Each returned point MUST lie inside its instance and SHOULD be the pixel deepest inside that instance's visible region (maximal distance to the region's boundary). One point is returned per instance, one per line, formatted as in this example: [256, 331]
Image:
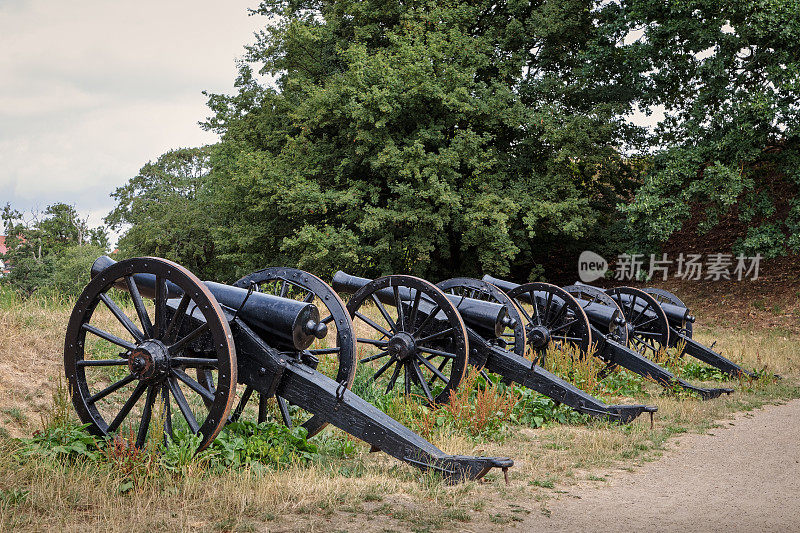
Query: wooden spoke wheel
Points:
[588, 295]
[666, 297]
[334, 356]
[513, 337]
[126, 356]
[419, 334]
[648, 329]
[551, 315]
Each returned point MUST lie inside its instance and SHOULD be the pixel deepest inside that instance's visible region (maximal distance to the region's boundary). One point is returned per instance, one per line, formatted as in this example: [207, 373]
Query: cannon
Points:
[431, 333]
[187, 343]
[610, 329]
[679, 321]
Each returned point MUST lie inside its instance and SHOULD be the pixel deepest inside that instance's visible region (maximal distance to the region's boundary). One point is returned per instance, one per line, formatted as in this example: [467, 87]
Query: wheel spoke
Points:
[383, 369]
[284, 409]
[208, 380]
[434, 336]
[324, 351]
[385, 313]
[380, 343]
[108, 336]
[393, 379]
[642, 312]
[374, 357]
[248, 391]
[427, 320]
[194, 361]
[122, 317]
[649, 345]
[525, 313]
[423, 383]
[308, 299]
[138, 304]
[412, 317]
[373, 324]
[147, 412]
[178, 346]
[284, 287]
[326, 319]
[101, 362]
[192, 384]
[177, 319]
[440, 353]
[546, 317]
[183, 405]
[398, 303]
[645, 323]
[167, 410]
[535, 303]
[564, 326]
[111, 388]
[262, 408]
[406, 378]
[558, 315]
[160, 302]
[137, 393]
[649, 333]
[436, 371]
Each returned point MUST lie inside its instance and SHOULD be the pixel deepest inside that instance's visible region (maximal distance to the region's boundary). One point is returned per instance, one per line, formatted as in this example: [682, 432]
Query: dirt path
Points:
[744, 476]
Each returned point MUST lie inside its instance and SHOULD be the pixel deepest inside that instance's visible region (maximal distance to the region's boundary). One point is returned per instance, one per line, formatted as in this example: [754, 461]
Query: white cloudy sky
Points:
[90, 90]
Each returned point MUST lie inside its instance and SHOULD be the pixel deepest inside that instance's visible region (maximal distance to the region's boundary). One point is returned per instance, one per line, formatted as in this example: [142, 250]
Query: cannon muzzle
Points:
[288, 321]
[476, 313]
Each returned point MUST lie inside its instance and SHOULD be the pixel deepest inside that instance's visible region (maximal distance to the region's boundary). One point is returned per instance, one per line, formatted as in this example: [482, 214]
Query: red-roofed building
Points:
[3, 249]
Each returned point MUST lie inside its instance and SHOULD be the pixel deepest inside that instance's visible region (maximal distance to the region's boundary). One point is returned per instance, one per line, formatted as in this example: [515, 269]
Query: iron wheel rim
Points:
[214, 328]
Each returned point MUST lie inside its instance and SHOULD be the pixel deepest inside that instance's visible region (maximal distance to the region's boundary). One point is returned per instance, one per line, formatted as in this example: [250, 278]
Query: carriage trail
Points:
[741, 476]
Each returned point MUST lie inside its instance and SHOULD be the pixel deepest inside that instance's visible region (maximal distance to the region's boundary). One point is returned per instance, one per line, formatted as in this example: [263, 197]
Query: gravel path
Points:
[743, 476]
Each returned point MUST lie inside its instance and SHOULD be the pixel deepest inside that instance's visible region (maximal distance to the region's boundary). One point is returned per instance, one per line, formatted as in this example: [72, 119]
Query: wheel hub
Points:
[149, 360]
[402, 346]
[539, 337]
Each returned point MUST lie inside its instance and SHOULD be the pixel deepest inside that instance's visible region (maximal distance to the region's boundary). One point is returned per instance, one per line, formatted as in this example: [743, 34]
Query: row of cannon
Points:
[180, 343]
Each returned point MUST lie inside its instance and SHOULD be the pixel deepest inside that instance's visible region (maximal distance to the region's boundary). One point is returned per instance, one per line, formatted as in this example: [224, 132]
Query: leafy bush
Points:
[269, 443]
[71, 270]
[63, 442]
[535, 410]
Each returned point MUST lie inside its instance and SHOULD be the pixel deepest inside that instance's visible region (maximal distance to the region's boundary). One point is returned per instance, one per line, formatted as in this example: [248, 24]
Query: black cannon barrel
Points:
[595, 312]
[293, 322]
[477, 313]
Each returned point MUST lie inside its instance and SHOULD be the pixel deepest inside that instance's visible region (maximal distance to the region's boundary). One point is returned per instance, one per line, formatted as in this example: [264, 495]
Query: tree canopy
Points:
[728, 75]
[38, 242]
[426, 137]
[443, 138]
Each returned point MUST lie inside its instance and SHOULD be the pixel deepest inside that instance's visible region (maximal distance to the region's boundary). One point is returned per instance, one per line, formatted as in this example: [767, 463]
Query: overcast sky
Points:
[91, 90]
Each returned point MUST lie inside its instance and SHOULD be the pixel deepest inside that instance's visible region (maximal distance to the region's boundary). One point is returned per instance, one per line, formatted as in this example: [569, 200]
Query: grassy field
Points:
[341, 486]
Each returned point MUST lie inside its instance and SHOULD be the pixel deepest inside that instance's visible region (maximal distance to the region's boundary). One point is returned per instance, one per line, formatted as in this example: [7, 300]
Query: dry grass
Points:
[368, 492]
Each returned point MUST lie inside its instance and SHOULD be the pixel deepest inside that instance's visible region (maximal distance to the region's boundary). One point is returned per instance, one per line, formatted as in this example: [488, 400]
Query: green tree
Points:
[427, 137]
[35, 241]
[162, 212]
[728, 75]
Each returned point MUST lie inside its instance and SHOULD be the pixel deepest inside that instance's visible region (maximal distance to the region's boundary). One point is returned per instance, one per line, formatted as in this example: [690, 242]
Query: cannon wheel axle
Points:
[423, 338]
[551, 315]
